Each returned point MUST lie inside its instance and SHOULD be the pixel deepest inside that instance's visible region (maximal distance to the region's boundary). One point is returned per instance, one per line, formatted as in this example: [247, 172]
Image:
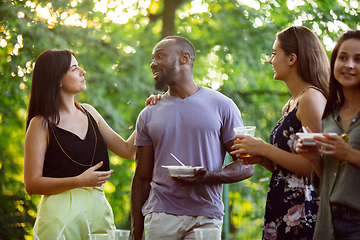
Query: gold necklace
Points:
[92, 159]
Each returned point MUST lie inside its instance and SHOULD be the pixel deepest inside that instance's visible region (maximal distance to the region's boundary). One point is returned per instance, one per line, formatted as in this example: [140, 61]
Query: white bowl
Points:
[308, 138]
[187, 171]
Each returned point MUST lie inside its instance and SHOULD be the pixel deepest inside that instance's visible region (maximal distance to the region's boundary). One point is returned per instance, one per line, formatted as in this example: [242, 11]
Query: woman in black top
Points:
[66, 158]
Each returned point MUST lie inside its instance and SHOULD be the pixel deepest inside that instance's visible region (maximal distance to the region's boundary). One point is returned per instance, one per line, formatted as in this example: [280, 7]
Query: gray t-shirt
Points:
[194, 129]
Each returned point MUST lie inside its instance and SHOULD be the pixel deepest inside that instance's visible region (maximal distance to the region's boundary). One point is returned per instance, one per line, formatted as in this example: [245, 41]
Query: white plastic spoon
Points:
[304, 129]
[177, 159]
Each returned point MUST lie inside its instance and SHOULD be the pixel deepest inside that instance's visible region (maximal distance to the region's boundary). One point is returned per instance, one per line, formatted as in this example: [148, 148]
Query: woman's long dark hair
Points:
[50, 67]
[336, 94]
[313, 63]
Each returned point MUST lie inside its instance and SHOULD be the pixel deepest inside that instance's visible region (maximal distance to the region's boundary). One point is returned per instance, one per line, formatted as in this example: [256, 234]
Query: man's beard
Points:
[162, 83]
[166, 78]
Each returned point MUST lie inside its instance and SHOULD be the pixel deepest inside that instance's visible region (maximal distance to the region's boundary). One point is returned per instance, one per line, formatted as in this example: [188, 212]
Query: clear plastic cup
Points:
[118, 234]
[206, 233]
[245, 130]
[99, 236]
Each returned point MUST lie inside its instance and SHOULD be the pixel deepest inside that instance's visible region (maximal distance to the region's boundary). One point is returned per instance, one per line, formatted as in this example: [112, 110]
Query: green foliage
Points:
[15, 221]
[233, 42]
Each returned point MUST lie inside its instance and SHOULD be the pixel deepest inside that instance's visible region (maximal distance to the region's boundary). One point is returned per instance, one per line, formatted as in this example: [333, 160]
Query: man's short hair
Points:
[185, 44]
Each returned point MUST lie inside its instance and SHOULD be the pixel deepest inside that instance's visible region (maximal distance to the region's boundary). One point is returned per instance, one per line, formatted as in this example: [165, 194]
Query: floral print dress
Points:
[292, 204]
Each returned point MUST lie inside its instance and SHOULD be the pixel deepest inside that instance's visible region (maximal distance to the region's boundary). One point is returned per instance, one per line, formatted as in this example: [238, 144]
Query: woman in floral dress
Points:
[299, 60]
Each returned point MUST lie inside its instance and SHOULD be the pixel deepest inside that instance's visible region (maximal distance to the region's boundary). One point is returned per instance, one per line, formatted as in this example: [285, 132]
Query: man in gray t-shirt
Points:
[196, 125]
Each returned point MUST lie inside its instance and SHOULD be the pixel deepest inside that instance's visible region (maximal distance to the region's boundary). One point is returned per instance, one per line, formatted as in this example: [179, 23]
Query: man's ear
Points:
[292, 59]
[185, 58]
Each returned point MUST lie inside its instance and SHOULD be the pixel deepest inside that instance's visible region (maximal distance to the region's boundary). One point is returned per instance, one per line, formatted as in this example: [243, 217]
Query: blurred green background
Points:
[113, 41]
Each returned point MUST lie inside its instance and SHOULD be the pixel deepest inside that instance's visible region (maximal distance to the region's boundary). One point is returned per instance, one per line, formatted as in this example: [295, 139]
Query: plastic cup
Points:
[99, 236]
[206, 233]
[118, 234]
[245, 130]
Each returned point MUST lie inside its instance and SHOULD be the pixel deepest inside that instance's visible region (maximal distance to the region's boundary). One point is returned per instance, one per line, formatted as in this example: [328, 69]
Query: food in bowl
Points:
[308, 138]
[182, 171]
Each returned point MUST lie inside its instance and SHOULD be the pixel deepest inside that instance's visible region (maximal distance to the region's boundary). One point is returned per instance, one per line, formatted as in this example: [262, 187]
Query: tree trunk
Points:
[169, 17]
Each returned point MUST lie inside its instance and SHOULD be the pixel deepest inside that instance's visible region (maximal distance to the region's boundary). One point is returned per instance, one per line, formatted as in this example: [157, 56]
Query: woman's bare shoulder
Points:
[38, 127]
[312, 96]
[38, 121]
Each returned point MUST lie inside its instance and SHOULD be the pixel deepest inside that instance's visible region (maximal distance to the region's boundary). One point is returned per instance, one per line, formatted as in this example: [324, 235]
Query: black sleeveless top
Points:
[68, 155]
